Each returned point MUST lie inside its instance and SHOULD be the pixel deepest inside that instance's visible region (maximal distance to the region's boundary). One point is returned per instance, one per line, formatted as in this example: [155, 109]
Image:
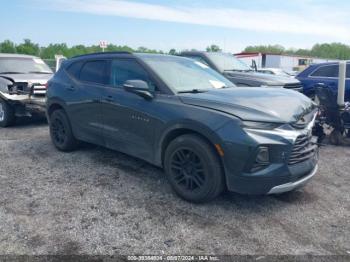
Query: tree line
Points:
[332, 50]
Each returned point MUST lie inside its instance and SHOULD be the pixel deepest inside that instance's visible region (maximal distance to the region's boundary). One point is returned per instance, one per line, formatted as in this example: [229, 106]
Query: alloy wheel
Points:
[58, 131]
[187, 170]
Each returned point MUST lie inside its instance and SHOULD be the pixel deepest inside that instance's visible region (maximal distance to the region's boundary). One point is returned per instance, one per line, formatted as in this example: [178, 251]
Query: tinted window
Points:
[227, 62]
[327, 71]
[94, 72]
[74, 69]
[348, 71]
[199, 59]
[126, 69]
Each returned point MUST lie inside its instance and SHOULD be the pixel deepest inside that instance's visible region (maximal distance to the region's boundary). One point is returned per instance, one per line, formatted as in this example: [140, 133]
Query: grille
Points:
[297, 86]
[302, 150]
[39, 90]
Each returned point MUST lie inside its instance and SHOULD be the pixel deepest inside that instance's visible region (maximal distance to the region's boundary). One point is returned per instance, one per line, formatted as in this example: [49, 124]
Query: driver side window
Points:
[123, 70]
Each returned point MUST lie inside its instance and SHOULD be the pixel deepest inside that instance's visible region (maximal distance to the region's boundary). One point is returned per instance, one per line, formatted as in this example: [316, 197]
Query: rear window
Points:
[74, 69]
[94, 72]
[327, 71]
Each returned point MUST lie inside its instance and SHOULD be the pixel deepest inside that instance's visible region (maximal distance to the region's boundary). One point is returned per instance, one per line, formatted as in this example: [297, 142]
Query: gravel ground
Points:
[96, 201]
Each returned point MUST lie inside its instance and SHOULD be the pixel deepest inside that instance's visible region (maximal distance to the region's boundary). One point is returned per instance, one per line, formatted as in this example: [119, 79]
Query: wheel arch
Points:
[182, 129]
[54, 105]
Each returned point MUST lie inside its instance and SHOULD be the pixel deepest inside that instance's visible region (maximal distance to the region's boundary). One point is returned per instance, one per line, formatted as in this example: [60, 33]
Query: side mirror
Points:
[138, 87]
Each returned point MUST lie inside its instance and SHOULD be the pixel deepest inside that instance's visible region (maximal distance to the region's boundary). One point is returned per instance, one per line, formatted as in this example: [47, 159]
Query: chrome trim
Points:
[292, 185]
[291, 135]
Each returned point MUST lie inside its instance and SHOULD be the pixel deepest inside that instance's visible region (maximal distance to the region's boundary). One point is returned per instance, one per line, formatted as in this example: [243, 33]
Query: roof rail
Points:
[103, 53]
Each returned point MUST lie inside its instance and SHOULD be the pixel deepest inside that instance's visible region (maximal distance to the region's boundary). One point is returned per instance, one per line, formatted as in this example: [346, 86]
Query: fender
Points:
[54, 101]
[4, 82]
[184, 124]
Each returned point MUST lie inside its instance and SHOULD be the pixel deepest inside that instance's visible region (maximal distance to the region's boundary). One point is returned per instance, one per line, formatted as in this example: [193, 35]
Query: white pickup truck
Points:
[23, 82]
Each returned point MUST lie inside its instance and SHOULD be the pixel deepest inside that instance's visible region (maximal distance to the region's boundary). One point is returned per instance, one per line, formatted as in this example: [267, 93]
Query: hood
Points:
[28, 78]
[271, 80]
[274, 105]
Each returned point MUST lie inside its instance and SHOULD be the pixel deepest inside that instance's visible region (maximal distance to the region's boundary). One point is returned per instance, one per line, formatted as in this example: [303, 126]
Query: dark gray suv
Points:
[180, 115]
[241, 74]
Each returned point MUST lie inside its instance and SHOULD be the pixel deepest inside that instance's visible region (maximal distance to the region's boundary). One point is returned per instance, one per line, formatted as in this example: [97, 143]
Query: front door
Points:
[128, 122]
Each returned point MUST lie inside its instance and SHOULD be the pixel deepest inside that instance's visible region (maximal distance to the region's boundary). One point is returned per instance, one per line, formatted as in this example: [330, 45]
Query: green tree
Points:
[213, 48]
[28, 48]
[51, 50]
[276, 49]
[7, 46]
[172, 51]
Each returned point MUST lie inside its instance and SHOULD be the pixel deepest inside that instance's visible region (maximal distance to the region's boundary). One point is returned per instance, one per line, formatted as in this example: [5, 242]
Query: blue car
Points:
[324, 73]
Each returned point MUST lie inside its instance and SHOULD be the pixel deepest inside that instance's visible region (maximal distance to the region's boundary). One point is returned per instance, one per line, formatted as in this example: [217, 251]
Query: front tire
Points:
[7, 114]
[61, 132]
[193, 169]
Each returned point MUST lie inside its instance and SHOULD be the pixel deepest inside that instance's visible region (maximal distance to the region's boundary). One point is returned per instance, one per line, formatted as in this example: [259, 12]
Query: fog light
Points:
[263, 156]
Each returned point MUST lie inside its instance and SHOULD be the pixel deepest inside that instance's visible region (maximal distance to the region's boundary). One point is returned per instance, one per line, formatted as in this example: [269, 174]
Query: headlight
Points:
[260, 125]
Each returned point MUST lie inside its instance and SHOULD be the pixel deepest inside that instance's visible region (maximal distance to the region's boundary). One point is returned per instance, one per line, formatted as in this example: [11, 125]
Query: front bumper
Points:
[293, 185]
[277, 178]
[280, 175]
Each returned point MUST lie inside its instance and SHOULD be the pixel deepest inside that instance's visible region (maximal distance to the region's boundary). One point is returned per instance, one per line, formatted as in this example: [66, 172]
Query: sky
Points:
[179, 24]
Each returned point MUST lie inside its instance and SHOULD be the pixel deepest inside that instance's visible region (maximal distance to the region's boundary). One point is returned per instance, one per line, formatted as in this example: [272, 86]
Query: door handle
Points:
[109, 99]
[70, 88]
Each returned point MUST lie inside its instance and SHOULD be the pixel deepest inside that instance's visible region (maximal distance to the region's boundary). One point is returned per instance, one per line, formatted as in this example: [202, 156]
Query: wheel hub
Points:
[188, 170]
[58, 131]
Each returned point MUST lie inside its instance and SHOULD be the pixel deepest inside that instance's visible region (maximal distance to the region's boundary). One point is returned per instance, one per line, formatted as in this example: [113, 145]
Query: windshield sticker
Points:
[38, 61]
[217, 84]
[201, 65]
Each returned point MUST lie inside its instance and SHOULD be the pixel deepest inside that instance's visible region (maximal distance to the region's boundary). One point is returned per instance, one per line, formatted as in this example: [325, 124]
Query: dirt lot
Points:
[95, 201]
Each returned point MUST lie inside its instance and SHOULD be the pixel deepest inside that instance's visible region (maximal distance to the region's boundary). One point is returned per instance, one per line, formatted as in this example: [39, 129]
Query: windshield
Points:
[19, 65]
[227, 62]
[183, 74]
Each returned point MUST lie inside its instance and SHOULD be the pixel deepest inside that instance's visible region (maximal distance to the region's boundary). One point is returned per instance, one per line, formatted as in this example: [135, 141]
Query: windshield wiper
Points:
[11, 73]
[192, 91]
[39, 72]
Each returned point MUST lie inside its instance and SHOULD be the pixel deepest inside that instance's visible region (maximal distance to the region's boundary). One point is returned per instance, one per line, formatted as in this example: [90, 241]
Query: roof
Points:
[271, 53]
[193, 52]
[250, 54]
[102, 54]
[17, 55]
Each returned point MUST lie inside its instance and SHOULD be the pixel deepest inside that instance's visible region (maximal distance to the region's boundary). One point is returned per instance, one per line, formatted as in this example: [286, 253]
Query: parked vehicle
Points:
[239, 73]
[22, 86]
[334, 113]
[183, 116]
[324, 73]
[332, 120]
[274, 71]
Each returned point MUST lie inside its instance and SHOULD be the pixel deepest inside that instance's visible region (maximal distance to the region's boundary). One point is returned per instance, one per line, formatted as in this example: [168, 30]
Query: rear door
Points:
[85, 101]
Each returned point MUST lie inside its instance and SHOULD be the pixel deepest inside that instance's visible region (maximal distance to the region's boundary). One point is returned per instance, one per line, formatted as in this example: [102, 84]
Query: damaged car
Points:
[206, 133]
[23, 80]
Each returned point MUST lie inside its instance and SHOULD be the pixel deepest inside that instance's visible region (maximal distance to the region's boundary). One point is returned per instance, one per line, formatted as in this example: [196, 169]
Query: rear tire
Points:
[193, 169]
[61, 132]
[7, 114]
